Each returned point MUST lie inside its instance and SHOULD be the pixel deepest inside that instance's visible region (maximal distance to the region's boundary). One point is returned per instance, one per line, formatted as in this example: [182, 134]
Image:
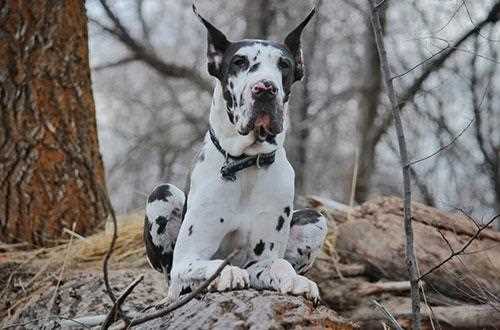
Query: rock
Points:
[82, 297]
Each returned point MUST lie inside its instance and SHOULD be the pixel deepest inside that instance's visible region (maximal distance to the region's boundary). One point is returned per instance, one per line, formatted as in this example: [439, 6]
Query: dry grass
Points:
[28, 273]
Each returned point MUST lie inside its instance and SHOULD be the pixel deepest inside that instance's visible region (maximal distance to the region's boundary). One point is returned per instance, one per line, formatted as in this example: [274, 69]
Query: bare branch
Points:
[492, 17]
[121, 299]
[187, 298]
[409, 249]
[462, 250]
[111, 65]
[171, 70]
[444, 147]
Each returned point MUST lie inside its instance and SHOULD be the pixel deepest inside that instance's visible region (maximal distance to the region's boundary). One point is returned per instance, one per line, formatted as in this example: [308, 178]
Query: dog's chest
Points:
[251, 206]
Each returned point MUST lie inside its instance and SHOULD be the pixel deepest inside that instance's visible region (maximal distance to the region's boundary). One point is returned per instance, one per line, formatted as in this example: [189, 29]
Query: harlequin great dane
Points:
[241, 186]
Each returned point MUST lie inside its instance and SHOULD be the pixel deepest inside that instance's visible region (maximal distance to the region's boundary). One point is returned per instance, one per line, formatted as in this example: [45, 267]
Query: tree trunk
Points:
[51, 172]
[368, 104]
[258, 26]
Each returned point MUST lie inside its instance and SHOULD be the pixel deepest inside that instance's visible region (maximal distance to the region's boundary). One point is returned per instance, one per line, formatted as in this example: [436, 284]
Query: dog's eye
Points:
[241, 62]
[283, 64]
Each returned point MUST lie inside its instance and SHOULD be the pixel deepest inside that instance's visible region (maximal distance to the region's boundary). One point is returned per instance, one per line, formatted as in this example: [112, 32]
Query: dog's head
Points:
[256, 78]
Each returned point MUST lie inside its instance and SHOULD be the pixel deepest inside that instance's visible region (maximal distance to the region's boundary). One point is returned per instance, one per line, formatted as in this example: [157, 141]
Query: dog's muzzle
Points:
[267, 115]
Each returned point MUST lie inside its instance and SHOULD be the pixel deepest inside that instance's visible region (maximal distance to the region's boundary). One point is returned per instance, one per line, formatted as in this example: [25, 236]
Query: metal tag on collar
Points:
[258, 161]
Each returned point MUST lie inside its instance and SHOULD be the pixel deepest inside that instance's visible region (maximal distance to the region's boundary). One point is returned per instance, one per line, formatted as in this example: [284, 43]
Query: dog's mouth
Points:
[264, 125]
[262, 134]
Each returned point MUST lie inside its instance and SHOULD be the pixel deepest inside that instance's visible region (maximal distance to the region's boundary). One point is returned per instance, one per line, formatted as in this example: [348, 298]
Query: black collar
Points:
[235, 164]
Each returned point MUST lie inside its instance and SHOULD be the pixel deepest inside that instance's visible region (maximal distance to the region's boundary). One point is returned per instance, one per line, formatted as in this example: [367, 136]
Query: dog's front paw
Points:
[231, 278]
[300, 286]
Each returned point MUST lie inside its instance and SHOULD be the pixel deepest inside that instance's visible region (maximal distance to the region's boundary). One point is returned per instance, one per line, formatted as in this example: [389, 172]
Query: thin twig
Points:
[121, 299]
[110, 249]
[462, 250]
[409, 248]
[389, 316]
[59, 280]
[187, 298]
[444, 147]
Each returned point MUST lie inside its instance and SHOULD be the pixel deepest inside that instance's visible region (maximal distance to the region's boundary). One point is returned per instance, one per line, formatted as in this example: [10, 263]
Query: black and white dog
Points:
[242, 185]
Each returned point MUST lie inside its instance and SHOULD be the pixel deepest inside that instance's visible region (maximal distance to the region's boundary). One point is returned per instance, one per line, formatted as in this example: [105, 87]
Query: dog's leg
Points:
[161, 226]
[308, 230]
[199, 253]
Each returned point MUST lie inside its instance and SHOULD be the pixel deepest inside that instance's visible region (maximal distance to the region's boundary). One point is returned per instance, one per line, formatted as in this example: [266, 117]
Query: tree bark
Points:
[51, 171]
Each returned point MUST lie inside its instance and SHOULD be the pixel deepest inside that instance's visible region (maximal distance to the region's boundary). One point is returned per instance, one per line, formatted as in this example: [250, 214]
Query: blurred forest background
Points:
[153, 93]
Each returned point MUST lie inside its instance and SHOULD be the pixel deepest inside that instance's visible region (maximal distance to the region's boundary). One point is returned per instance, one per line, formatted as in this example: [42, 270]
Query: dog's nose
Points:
[264, 89]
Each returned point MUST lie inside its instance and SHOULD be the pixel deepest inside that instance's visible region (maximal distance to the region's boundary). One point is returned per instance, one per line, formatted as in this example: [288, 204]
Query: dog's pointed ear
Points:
[292, 41]
[217, 46]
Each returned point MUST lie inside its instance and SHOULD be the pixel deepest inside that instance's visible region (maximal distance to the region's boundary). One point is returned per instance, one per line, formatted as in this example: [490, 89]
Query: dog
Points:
[241, 186]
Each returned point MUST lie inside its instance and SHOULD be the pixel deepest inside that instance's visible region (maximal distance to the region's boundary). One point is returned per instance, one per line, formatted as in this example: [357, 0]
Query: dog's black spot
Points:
[184, 207]
[271, 139]
[231, 84]
[271, 246]
[190, 230]
[186, 290]
[280, 223]
[259, 248]
[259, 273]
[254, 67]
[300, 252]
[229, 99]
[250, 264]
[305, 217]
[287, 211]
[230, 116]
[161, 221]
[242, 101]
[221, 220]
[160, 193]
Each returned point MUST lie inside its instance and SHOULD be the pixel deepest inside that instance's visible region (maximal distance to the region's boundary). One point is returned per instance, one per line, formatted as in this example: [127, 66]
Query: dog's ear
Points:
[217, 45]
[292, 41]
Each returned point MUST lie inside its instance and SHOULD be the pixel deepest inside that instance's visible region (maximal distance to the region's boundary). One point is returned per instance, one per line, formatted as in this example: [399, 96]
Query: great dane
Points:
[241, 186]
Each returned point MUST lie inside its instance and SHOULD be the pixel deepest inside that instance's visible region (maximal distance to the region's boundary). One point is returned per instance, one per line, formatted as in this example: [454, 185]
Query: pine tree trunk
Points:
[51, 172]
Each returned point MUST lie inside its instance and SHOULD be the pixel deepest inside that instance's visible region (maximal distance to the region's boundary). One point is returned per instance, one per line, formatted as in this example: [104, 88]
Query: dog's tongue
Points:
[263, 120]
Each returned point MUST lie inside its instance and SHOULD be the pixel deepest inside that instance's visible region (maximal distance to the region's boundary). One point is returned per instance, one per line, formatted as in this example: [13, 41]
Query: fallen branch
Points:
[388, 315]
[117, 305]
[367, 289]
[186, 299]
[450, 317]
